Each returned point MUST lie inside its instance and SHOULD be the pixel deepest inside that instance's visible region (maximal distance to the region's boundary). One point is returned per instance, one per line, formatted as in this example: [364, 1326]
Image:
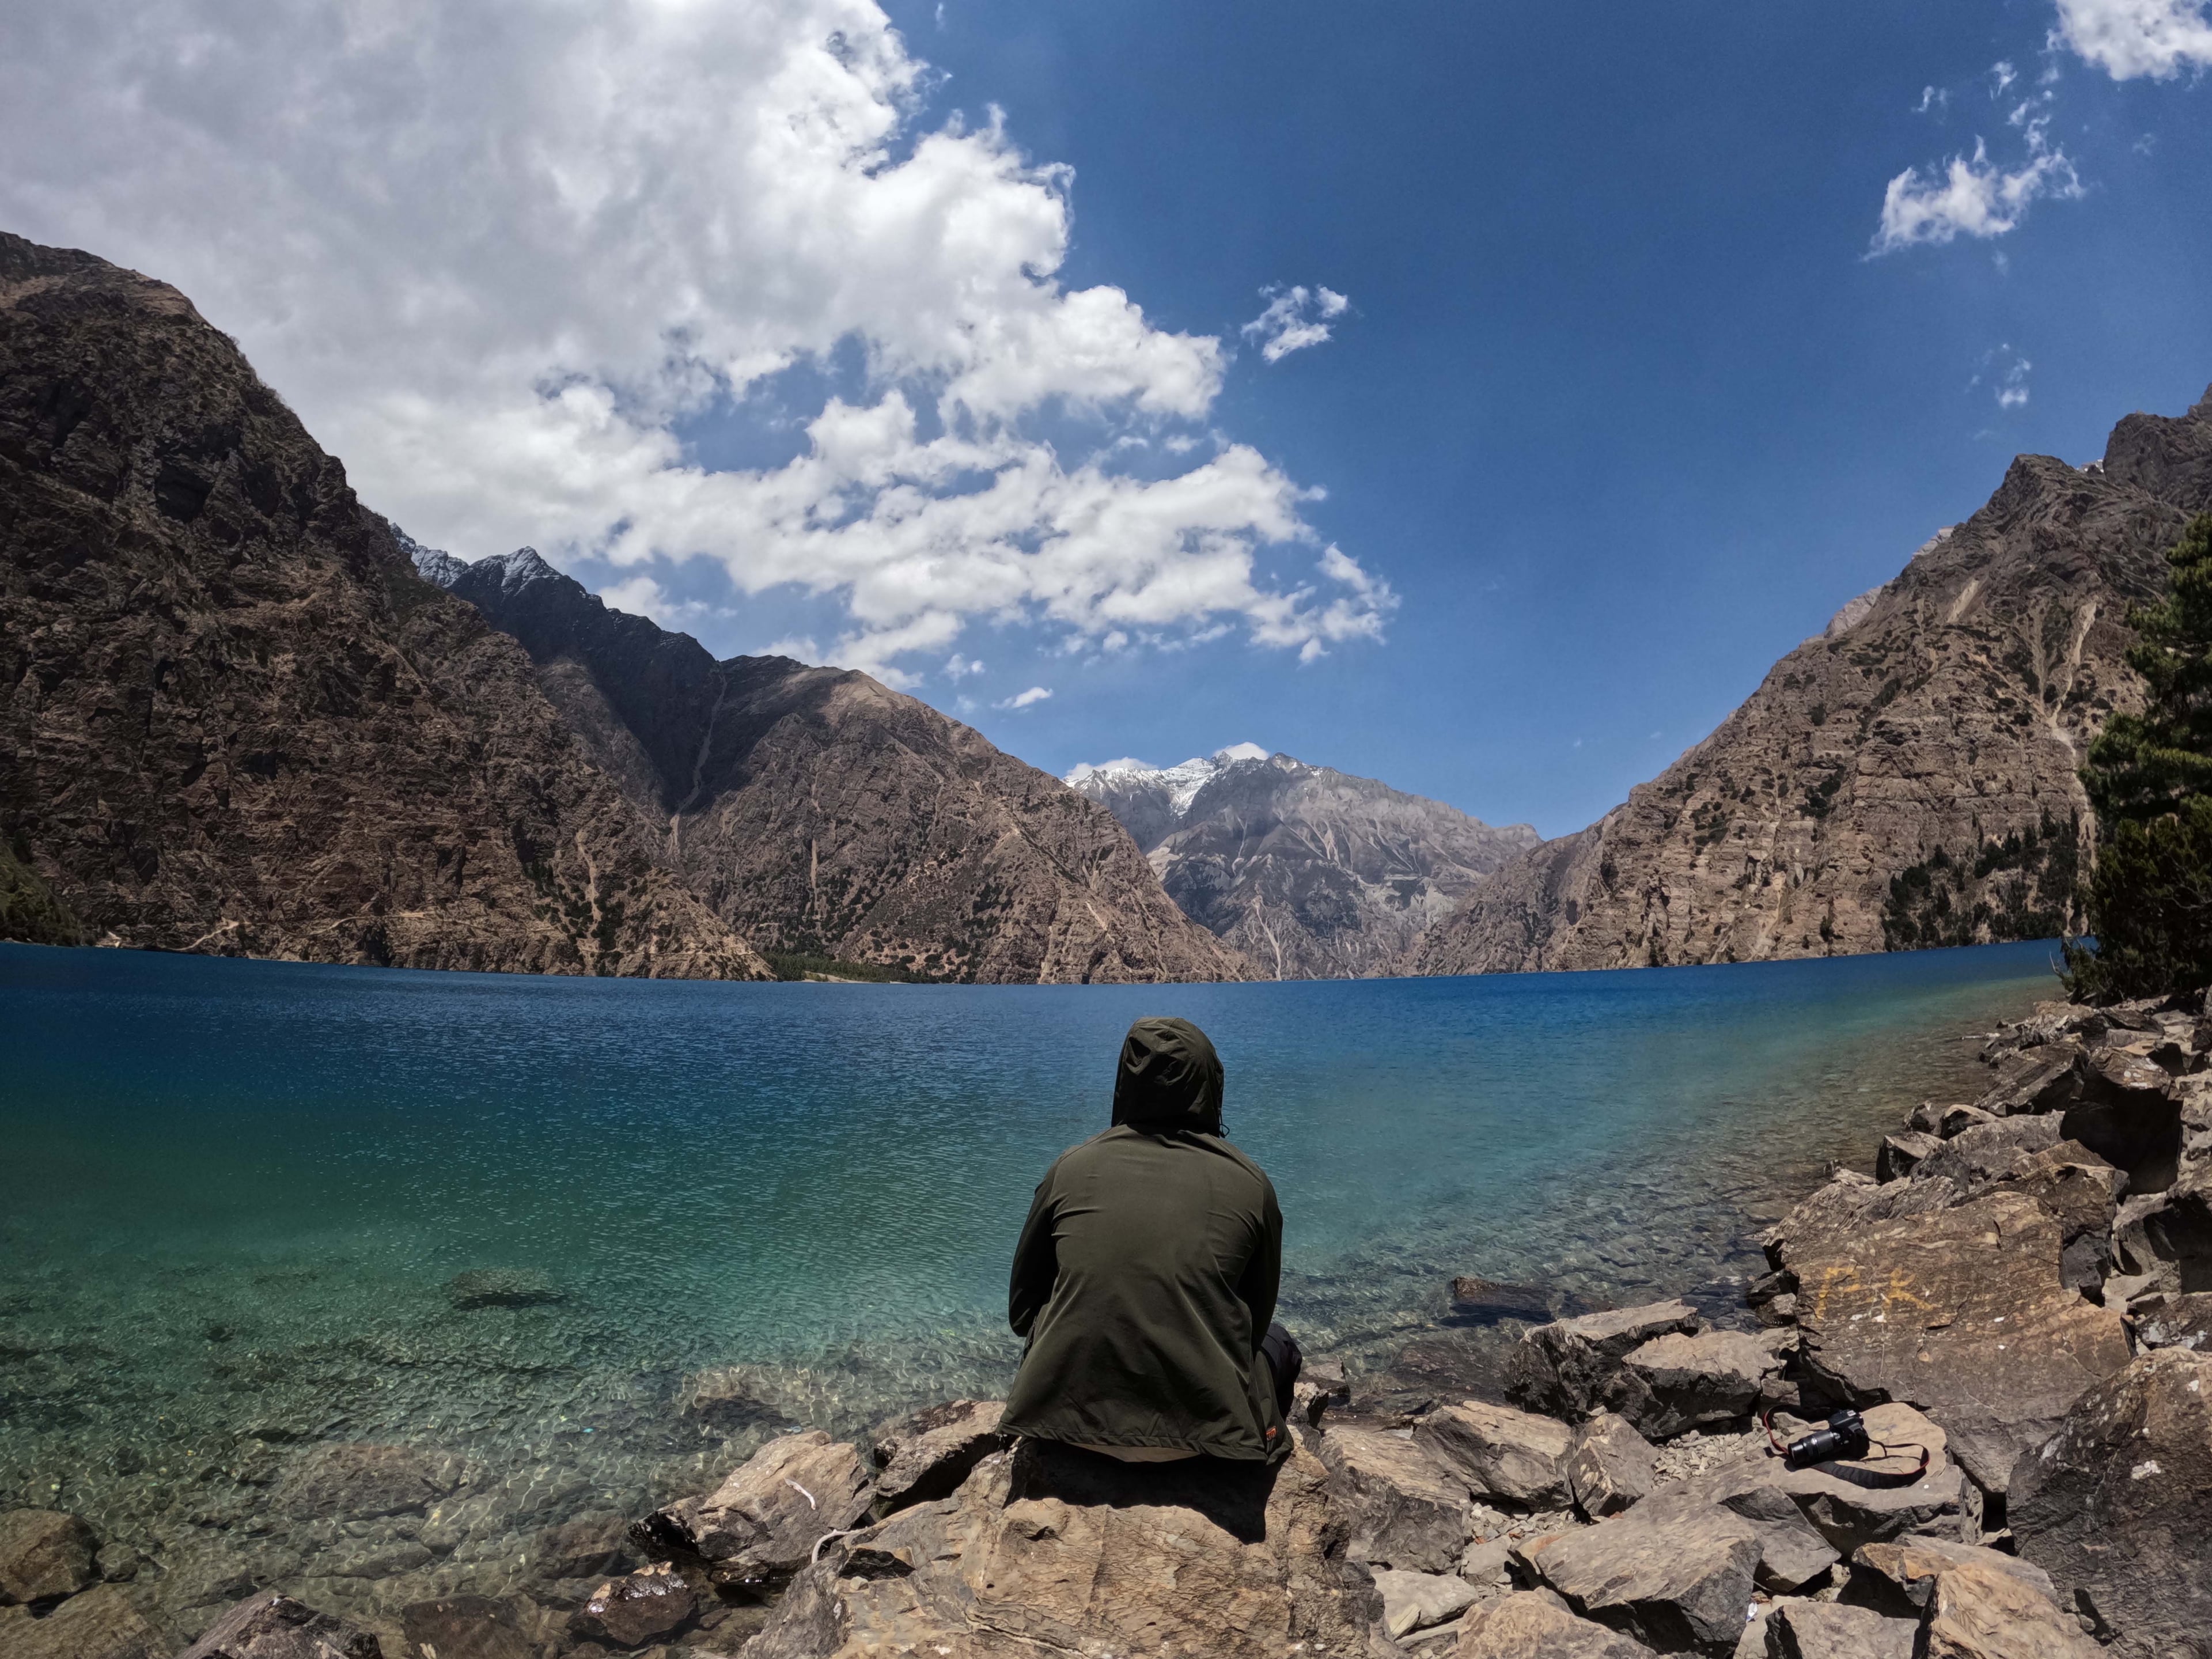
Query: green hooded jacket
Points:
[1147, 1272]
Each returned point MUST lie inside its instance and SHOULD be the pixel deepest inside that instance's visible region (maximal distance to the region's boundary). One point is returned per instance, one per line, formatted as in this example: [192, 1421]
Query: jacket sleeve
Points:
[1036, 1264]
[1262, 1279]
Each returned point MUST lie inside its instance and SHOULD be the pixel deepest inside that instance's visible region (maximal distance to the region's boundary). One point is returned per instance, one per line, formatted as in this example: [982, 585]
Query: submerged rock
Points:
[639, 1608]
[45, 1554]
[466, 1627]
[102, 1623]
[271, 1625]
[501, 1288]
[1479, 1301]
[357, 1480]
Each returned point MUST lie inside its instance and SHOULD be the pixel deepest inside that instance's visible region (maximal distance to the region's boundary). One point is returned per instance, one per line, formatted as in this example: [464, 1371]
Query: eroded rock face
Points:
[761, 1525]
[271, 1625]
[1498, 1452]
[1949, 713]
[825, 813]
[1958, 1310]
[44, 1554]
[2118, 1506]
[1609, 1465]
[1051, 1549]
[239, 723]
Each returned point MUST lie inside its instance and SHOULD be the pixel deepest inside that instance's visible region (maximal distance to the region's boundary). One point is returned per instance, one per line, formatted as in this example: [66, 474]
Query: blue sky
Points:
[1620, 404]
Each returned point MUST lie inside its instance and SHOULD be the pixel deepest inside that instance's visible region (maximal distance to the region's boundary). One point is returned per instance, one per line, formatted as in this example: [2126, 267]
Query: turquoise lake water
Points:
[235, 1191]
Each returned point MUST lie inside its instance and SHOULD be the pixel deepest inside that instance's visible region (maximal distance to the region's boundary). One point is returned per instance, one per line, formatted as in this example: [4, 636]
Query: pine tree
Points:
[2149, 779]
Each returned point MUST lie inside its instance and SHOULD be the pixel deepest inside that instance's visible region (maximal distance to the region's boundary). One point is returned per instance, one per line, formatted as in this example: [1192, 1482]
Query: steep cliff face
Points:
[1906, 779]
[234, 718]
[1311, 874]
[820, 812]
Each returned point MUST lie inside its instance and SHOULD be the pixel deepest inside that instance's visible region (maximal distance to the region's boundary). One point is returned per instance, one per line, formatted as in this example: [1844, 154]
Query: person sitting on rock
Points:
[1146, 1278]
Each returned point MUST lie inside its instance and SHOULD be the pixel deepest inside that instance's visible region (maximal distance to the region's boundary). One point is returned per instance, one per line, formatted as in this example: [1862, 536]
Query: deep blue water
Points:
[235, 1191]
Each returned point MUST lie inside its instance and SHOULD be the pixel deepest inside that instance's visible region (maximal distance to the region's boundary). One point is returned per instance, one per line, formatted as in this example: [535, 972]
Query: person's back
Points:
[1146, 1276]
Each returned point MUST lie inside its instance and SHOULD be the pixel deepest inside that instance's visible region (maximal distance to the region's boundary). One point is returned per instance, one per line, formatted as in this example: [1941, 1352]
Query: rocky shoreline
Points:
[2018, 1299]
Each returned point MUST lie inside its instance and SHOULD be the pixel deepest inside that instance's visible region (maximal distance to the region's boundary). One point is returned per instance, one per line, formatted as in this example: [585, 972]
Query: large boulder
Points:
[1824, 1630]
[1901, 1153]
[1479, 1301]
[1050, 1549]
[45, 1554]
[1959, 1311]
[1566, 1368]
[102, 1623]
[1681, 1586]
[466, 1627]
[1683, 1381]
[761, 1525]
[2118, 1506]
[1979, 1154]
[271, 1625]
[2163, 1240]
[1609, 1465]
[1976, 1612]
[635, 1609]
[1533, 1625]
[1416, 1601]
[1810, 1518]
[2043, 1081]
[1400, 1508]
[1898, 1579]
[2083, 1191]
[929, 1454]
[1499, 1453]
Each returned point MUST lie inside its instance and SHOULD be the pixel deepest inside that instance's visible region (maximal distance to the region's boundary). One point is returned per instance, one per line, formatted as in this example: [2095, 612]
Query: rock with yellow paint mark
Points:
[1961, 1311]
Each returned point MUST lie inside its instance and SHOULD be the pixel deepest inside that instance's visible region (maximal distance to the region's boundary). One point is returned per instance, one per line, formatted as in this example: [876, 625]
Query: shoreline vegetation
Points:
[2018, 1298]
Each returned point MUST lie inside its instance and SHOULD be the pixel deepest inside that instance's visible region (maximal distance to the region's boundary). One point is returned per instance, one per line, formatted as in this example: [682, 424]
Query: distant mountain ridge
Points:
[1906, 778]
[1311, 872]
[819, 812]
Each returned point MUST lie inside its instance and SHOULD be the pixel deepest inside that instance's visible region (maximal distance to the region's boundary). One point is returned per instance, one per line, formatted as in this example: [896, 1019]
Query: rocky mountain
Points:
[1908, 777]
[1312, 874]
[821, 813]
[235, 720]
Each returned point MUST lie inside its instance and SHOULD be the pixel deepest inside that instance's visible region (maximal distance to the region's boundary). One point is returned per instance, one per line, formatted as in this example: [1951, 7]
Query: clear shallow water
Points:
[234, 1192]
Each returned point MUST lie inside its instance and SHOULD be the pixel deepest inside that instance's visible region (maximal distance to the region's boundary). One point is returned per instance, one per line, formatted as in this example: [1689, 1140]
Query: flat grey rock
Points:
[1498, 1452]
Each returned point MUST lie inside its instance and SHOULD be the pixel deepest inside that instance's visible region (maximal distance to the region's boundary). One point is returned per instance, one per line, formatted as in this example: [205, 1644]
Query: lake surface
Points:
[236, 1192]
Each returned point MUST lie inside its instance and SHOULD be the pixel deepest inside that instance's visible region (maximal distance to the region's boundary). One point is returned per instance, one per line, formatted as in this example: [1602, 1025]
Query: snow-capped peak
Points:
[1181, 782]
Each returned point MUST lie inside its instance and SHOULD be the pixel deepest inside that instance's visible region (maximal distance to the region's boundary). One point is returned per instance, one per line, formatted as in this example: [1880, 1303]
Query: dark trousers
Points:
[1285, 1359]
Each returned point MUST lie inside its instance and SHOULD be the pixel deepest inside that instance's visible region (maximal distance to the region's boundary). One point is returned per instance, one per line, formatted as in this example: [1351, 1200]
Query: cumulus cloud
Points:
[498, 257]
[1973, 196]
[1035, 694]
[2128, 38]
[1295, 318]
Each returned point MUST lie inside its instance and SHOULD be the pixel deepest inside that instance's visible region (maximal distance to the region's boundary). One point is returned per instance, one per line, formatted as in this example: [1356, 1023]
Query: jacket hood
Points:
[1170, 1078]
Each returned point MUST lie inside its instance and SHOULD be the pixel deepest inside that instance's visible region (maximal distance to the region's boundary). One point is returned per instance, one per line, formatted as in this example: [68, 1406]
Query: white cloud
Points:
[497, 256]
[1035, 694]
[1932, 99]
[1295, 318]
[2001, 75]
[958, 667]
[1973, 197]
[2128, 38]
[2010, 371]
